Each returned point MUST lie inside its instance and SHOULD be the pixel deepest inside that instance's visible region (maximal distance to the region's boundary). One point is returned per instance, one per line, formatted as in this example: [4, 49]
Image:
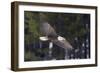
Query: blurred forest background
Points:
[74, 27]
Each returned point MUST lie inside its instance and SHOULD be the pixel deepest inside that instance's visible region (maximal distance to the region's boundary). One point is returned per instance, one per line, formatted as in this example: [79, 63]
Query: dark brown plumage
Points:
[47, 30]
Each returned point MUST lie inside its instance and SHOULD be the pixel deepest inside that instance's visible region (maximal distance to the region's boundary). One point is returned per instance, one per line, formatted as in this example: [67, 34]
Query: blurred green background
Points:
[74, 27]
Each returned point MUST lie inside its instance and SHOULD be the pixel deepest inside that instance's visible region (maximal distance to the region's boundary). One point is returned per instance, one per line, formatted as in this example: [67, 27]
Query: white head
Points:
[60, 38]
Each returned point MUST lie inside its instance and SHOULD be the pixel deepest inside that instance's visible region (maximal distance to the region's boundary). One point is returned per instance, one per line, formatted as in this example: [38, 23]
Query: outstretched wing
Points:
[63, 44]
[47, 29]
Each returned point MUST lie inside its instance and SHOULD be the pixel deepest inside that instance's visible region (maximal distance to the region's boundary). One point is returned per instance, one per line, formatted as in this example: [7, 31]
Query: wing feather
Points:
[63, 43]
